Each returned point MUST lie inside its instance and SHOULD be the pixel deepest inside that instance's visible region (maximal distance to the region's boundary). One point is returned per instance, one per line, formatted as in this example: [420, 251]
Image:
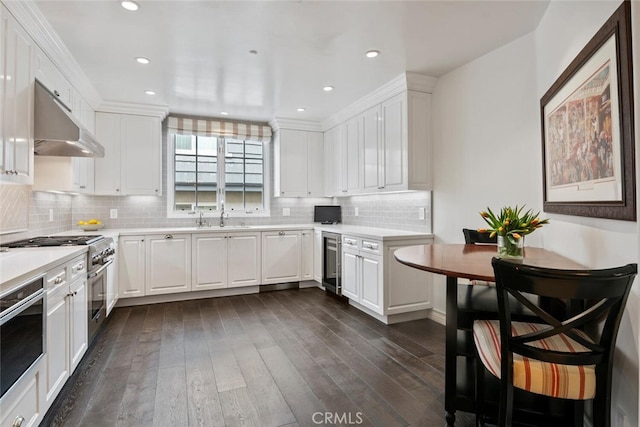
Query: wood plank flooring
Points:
[284, 358]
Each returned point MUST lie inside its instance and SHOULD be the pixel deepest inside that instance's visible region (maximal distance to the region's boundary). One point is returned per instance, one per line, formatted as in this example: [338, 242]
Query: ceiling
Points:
[200, 50]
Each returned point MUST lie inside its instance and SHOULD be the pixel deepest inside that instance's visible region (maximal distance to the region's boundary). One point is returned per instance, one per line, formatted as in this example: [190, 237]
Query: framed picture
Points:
[587, 128]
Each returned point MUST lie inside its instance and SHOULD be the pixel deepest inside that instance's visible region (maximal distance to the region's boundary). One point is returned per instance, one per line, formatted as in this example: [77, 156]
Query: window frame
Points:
[232, 213]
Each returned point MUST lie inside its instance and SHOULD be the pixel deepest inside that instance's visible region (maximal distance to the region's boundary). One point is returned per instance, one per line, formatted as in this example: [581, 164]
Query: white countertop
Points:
[20, 264]
[352, 230]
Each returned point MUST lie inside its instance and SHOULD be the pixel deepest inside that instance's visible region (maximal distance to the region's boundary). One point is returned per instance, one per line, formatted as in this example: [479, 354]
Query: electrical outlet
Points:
[50, 215]
[113, 213]
[355, 211]
[286, 211]
[421, 213]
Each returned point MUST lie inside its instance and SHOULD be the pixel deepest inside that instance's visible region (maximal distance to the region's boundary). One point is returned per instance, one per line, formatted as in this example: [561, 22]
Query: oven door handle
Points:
[21, 306]
[100, 270]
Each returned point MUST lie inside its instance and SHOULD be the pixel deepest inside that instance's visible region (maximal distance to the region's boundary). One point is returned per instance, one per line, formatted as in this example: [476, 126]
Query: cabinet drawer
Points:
[57, 276]
[350, 242]
[371, 246]
[78, 267]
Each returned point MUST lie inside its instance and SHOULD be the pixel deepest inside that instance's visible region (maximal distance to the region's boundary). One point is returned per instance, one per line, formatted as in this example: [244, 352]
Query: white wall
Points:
[487, 151]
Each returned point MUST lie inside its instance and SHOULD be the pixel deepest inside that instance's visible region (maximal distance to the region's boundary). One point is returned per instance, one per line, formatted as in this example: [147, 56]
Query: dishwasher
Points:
[332, 262]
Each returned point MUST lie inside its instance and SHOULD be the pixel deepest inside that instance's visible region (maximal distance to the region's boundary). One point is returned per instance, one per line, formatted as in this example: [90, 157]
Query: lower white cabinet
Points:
[112, 282]
[362, 272]
[67, 334]
[26, 400]
[225, 260]
[131, 266]
[317, 256]
[281, 256]
[373, 279]
[168, 266]
[307, 261]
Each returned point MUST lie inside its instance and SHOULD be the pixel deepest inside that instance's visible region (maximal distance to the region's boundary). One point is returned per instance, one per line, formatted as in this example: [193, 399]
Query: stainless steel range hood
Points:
[57, 132]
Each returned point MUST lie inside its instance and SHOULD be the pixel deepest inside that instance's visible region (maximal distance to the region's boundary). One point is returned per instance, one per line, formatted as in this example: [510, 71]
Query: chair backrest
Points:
[597, 298]
[474, 236]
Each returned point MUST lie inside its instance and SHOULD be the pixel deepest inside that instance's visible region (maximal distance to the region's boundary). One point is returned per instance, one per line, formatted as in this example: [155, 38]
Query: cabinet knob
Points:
[309, 192]
[117, 189]
[281, 233]
[83, 186]
[56, 93]
[282, 192]
[17, 422]
[168, 236]
[70, 294]
[156, 190]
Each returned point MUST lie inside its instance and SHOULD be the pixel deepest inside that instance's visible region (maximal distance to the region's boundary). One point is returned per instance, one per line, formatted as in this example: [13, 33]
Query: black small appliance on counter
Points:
[327, 214]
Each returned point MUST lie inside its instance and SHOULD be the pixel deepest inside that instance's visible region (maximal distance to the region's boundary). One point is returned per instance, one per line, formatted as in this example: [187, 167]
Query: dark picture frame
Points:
[588, 155]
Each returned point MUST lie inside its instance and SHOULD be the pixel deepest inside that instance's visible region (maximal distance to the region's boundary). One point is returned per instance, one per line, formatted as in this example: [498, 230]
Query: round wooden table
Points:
[470, 262]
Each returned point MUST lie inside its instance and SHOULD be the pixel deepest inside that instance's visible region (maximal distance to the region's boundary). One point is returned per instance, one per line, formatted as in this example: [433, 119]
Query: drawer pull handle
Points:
[58, 280]
[168, 236]
[17, 422]
[281, 233]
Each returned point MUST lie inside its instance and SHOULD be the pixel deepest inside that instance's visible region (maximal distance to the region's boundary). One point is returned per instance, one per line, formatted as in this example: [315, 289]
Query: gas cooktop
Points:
[36, 242]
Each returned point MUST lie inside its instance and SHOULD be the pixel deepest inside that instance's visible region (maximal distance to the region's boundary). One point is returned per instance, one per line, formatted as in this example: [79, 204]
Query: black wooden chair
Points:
[564, 359]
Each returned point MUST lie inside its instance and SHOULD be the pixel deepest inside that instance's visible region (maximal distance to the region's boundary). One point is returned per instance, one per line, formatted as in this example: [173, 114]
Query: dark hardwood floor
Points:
[284, 358]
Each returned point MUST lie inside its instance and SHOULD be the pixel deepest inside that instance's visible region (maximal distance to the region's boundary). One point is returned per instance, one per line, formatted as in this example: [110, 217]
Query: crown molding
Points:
[295, 124]
[160, 111]
[402, 83]
[40, 30]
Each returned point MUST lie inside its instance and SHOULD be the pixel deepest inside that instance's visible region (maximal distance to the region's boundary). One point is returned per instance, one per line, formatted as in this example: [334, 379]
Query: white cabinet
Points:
[281, 256]
[131, 266]
[16, 102]
[371, 149]
[307, 260]
[317, 256]
[26, 399]
[333, 161]
[376, 282]
[168, 266]
[362, 272]
[299, 164]
[67, 334]
[127, 140]
[112, 282]
[50, 76]
[351, 152]
[225, 260]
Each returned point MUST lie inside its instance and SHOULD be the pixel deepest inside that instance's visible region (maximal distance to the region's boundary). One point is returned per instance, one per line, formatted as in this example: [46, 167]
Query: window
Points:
[203, 177]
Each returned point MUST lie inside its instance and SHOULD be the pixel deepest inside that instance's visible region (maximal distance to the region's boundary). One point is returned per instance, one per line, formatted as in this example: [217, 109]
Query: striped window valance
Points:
[219, 128]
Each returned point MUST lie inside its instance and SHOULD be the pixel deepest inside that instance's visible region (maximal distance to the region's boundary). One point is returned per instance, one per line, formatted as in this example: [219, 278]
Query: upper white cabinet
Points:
[351, 153]
[128, 139]
[298, 163]
[51, 78]
[16, 101]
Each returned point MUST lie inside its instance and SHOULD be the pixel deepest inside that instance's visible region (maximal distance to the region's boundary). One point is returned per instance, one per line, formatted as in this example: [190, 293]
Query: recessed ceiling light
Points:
[372, 53]
[327, 88]
[149, 92]
[130, 5]
[224, 113]
[142, 60]
[301, 109]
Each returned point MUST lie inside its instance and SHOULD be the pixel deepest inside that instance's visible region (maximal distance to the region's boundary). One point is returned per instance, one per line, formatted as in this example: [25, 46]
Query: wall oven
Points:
[332, 262]
[22, 330]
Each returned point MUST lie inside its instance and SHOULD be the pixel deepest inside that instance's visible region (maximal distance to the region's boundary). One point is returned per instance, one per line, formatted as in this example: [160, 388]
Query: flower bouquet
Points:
[511, 225]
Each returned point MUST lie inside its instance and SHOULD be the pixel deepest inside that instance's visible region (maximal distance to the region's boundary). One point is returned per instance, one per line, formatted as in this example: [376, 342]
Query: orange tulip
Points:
[535, 221]
[516, 236]
[483, 214]
[482, 230]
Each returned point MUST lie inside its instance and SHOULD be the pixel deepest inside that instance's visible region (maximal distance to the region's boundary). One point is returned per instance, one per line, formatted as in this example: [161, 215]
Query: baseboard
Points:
[438, 316]
[393, 318]
[185, 296]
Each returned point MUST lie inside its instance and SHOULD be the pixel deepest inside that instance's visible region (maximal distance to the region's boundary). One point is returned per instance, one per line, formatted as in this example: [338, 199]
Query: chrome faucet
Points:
[222, 214]
[200, 222]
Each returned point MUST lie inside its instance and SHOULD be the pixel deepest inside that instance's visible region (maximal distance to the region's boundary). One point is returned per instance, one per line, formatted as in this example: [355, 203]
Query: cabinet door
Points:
[371, 278]
[317, 256]
[350, 274]
[168, 264]
[107, 168]
[17, 142]
[333, 162]
[351, 173]
[315, 164]
[371, 155]
[394, 136]
[83, 178]
[112, 283]
[209, 261]
[58, 345]
[281, 257]
[140, 139]
[293, 163]
[243, 259]
[131, 266]
[307, 255]
[78, 328]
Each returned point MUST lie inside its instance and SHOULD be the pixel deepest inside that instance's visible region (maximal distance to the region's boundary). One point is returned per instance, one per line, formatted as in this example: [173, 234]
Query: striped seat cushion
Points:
[550, 379]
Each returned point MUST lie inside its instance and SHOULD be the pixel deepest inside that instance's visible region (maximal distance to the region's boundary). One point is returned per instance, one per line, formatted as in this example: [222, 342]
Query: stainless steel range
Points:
[100, 255]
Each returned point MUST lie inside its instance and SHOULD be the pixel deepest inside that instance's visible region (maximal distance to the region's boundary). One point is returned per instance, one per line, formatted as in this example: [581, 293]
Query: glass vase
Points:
[509, 247]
